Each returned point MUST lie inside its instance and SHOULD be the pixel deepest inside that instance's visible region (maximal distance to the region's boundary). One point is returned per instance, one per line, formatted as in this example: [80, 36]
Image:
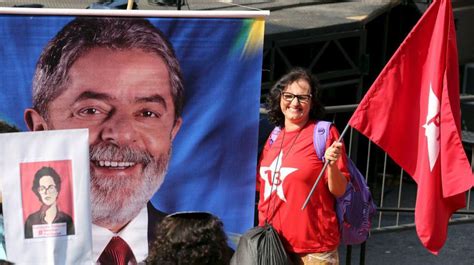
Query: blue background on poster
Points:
[214, 156]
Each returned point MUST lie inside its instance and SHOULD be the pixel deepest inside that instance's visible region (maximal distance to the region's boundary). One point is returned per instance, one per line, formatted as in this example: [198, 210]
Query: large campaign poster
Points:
[214, 153]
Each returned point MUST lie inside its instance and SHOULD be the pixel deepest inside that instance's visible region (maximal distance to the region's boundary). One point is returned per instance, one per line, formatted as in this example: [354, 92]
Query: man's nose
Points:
[119, 129]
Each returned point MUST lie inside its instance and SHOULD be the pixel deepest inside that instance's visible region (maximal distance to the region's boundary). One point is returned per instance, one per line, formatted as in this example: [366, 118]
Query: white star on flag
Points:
[432, 128]
[279, 174]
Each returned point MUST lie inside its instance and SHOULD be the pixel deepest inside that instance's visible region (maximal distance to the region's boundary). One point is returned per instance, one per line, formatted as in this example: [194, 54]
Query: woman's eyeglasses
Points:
[287, 96]
[47, 190]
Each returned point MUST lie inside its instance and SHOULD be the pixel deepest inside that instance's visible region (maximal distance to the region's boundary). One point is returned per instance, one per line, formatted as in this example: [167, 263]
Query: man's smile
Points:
[116, 168]
[114, 164]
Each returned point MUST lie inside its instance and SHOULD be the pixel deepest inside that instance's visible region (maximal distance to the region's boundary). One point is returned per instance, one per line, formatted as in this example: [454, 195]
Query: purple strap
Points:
[273, 136]
[320, 136]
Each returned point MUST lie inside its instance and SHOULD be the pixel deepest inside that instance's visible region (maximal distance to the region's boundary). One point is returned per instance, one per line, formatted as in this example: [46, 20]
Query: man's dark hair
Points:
[195, 238]
[45, 171]
[6, 128]
[85, 33]
[275, 116]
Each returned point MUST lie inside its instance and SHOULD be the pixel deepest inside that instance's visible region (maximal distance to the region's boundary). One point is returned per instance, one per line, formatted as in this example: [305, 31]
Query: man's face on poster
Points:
[124, 98]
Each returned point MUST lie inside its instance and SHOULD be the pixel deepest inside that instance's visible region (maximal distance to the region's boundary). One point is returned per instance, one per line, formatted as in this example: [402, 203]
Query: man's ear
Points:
[177, 125]
[34, 120]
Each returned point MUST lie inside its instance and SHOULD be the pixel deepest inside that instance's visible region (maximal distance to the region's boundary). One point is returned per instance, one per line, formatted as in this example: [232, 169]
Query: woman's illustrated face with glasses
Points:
[295, 102]
[47, 190]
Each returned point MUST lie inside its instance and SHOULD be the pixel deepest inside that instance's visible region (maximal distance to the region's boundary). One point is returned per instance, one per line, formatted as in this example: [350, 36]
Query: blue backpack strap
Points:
[320, 136]
[273, 136]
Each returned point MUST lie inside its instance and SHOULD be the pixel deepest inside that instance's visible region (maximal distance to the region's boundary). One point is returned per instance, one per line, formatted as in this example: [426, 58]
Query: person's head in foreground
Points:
[6, 128]
[191, 238]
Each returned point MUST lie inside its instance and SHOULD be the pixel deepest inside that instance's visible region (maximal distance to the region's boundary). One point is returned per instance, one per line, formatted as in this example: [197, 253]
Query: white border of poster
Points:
[135, 13]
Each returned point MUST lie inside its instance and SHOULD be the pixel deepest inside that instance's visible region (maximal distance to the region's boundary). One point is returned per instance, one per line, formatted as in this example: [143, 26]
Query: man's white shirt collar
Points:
[135, 234]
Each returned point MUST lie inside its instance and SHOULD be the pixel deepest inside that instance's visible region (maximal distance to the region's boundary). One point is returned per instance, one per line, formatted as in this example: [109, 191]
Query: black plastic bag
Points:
[260, 245]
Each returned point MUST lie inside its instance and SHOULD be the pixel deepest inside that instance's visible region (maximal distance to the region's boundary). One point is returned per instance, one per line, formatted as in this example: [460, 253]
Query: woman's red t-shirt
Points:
[314, 229]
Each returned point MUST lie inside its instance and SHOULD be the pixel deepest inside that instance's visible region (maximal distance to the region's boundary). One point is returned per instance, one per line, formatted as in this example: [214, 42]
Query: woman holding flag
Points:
[289, 166]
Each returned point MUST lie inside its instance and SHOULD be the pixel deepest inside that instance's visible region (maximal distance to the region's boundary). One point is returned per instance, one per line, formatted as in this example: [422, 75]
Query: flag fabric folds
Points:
[412, 112]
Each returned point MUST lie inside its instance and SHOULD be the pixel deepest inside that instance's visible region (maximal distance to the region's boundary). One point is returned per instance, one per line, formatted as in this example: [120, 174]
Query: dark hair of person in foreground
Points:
[6, 128]
[191, 238]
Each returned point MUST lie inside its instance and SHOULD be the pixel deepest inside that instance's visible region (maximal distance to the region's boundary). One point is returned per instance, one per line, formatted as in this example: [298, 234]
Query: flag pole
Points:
[326, 163]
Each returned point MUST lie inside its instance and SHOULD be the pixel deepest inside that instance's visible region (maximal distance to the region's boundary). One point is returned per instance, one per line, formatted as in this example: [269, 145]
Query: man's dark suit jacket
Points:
[154, 218]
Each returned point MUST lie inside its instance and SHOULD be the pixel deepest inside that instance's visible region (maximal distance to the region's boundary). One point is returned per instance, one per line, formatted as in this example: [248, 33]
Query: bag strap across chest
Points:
[320, 136]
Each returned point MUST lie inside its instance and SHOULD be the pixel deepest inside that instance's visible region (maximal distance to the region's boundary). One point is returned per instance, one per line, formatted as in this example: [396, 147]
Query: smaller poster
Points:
[46, 206]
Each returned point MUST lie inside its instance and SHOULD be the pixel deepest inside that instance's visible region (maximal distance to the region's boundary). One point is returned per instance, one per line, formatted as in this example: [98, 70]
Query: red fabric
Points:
[314, 229]
[399, 111]
[117, 252]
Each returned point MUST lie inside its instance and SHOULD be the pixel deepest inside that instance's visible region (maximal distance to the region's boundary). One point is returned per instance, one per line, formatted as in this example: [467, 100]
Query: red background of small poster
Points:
[30, 201]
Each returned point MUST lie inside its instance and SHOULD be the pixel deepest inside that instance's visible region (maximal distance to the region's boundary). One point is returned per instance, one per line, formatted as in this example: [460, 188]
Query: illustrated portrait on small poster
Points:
[47, 198]
[171, 102]
[46, 189]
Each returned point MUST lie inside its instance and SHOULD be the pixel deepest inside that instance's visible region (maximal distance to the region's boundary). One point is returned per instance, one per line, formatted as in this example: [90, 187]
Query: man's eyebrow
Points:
[93, 95]
[152, 99]
[103, 96]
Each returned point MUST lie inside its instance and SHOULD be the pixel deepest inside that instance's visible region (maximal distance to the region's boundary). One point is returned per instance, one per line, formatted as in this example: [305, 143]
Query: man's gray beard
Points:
[116, 200]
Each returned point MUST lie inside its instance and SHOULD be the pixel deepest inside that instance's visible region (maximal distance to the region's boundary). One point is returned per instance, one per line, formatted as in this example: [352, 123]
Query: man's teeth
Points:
[115, 164]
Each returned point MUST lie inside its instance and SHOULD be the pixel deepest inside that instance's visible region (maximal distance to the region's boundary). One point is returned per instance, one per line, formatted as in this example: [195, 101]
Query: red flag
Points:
[412, 112]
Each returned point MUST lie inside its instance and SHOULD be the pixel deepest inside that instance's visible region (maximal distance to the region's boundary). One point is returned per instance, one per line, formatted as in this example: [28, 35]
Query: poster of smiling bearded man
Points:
[170, 100]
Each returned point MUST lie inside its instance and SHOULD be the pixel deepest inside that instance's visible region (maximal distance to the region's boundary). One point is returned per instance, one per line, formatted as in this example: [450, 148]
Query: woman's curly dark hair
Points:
[195, 238]
[43, 172]
[275, 116]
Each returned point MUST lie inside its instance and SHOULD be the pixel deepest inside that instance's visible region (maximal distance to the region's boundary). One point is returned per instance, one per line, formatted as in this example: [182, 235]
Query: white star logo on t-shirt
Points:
[279, 174]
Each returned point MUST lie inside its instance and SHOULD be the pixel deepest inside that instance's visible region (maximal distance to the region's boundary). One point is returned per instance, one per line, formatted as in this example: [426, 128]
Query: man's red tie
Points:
[117, 252]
